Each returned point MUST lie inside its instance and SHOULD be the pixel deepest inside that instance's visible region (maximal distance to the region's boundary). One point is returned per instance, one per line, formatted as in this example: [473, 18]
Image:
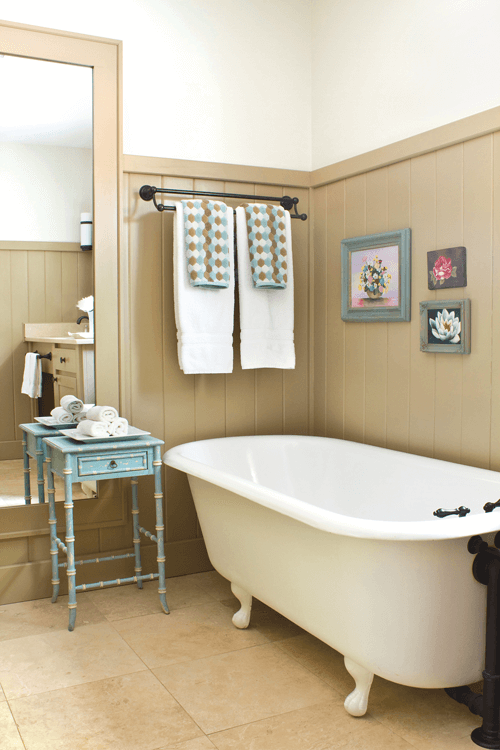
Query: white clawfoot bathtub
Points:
[340, 538]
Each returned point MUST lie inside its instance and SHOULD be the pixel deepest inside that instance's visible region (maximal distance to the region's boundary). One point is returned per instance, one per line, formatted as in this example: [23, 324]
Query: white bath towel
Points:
[266, 315]
[204, 317]
[72, 404]
[92, 428]
[61, 415]
[102, 414]
[83, 413]
[32, 377]
[118, 427]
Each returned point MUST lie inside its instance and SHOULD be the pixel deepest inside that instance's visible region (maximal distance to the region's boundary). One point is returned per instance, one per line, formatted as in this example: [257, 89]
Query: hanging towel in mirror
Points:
[267, 245]
[206, 243]
[32, 377]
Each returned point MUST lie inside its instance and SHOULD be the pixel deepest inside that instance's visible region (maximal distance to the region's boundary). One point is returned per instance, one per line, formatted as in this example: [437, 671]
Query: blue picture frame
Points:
[375, 277]
[433, 339]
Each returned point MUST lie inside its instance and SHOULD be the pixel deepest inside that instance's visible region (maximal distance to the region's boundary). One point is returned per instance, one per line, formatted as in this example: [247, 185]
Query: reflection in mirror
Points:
[45, 187]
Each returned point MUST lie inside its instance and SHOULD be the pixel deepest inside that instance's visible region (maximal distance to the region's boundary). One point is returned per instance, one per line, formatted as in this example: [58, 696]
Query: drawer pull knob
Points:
[62, 359]
[113, 465]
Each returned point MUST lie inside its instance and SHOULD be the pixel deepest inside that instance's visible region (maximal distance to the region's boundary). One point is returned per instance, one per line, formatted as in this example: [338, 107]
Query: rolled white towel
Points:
[92, 428]
[72, 404]
[118, 427]
[102, 413]
[83, 414]
[61, 415]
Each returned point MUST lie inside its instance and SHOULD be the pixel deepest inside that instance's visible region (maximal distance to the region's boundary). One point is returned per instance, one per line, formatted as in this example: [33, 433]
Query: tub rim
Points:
[450, 527]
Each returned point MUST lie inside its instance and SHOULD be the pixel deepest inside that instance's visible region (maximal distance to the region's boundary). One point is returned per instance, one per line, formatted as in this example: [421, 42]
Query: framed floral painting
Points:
[447, 268]
[445, 326]
[375, 277]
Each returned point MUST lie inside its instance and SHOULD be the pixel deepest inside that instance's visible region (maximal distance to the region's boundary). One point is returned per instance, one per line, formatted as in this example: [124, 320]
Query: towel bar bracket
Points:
[148, 193]
[44, 356]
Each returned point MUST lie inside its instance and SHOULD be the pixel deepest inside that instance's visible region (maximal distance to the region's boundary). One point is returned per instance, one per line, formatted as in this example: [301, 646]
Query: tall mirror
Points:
[46, 193]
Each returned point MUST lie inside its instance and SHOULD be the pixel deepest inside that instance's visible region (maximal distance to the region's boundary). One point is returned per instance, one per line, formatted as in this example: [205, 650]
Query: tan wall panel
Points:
[321, 272]
[441, 405]
[53, 286]
[335, 328]
[145, 297]
[495, 333]
[476, 418]
[377, 206]
[449, 372]
[19, 312]
[422, 364]
[7, 429]
[296, 381]
[354, 410]
[398, 335]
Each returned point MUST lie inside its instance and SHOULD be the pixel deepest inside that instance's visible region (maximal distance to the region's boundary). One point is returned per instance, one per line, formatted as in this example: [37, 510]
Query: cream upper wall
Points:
[388, 70]
[294, 84]
[55, 182]
[210, 80]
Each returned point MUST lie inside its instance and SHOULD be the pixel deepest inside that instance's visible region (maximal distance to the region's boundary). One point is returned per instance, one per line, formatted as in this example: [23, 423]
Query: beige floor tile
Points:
[428, 719]
[243, 686]
[2, 695]
[12, 484]
[41, 616]
[321, 660]
[200, 743]
[213, 583]
[120, 602]
[10, 738]
[185, 634]
[131, 712]
[49, 661]
[326, 726]
[266, 620]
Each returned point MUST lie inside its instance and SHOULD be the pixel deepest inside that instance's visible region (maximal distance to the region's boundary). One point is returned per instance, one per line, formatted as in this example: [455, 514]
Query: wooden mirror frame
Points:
[23, 524]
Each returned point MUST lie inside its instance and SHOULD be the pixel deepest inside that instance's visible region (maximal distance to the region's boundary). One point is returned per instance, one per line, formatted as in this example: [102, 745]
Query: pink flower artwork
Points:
[447, 268]
[442, 268]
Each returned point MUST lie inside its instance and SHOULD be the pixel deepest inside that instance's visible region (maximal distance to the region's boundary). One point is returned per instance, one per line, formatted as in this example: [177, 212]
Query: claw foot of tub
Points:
[241, 619]
[356, 702]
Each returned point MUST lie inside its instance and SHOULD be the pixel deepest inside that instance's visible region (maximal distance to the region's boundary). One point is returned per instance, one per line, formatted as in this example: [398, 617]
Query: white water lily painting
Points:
[445, 326]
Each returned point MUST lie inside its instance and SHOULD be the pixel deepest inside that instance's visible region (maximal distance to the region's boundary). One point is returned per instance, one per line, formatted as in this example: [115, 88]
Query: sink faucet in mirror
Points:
[79, 320]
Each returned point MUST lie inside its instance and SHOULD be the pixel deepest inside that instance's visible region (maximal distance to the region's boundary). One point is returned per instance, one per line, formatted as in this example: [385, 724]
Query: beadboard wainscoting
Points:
[372, 382]
[40, 282]
[156, 394]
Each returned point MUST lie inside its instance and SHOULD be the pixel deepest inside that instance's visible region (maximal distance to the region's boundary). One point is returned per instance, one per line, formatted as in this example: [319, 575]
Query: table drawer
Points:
[65, 360]
[119, 463]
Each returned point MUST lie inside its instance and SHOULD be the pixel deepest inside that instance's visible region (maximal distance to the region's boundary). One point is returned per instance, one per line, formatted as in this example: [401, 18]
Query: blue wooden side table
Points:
[111, 459]
[33, 445]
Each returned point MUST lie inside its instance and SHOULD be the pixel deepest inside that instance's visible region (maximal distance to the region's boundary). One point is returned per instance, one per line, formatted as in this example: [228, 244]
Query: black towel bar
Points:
[148, 193]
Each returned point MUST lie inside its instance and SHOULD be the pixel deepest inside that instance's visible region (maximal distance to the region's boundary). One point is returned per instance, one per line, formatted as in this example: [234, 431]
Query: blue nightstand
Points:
[111, 459]
[33, 445]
